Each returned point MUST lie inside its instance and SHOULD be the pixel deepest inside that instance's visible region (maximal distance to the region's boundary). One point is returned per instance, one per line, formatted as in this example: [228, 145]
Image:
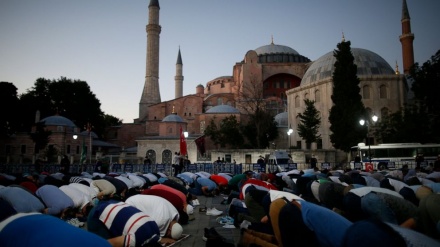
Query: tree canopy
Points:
[418, 121]
[9, 108]
[347, 106]
[72, 99]
[308, 127]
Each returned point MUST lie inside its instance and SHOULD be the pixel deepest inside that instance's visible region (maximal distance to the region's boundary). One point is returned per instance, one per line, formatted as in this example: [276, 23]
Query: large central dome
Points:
[279, 54]
[275, 49]
[368, 63]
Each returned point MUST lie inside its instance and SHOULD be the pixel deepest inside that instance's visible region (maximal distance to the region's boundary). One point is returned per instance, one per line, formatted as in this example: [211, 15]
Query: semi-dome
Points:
[223, 109]
[58, 121]
[368, 63]
[173, 118]
[279, 54]
[282, 119]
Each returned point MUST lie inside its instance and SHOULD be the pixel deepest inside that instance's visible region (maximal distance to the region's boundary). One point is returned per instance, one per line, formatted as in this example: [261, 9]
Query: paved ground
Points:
[196, 227]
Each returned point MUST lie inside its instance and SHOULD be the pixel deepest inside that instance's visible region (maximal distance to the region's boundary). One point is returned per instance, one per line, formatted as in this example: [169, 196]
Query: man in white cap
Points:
[162, 211]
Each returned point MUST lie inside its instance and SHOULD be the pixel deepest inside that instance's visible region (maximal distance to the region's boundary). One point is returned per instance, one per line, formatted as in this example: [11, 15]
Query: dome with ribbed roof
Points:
[273, 53]
[173, 118]
[368, 63]
[275, 49]
[223, 109]
[58, 121]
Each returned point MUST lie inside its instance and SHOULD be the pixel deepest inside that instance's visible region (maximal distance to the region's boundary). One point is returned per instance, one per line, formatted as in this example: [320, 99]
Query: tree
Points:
[40, 136]
[230, 132]
[72, 99]
[309, 123]
[347, 106]
[9, 108]
[260, 128]
[421, 116]
[212, 132]
[426, 88]
[227, 133]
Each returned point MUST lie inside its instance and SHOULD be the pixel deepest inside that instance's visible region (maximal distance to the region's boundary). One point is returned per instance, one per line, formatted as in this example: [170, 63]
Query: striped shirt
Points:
[123, 219]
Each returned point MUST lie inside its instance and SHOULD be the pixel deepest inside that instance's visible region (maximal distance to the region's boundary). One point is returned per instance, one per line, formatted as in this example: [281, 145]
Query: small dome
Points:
[275, 49]
[173, 118]
[223, 109]
[58, 121]
[282, 119]
[368, 63]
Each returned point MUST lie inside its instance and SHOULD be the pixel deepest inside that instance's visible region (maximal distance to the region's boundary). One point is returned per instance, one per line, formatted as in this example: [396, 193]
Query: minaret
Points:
[179, 77]
[406, 39]
[151, 93]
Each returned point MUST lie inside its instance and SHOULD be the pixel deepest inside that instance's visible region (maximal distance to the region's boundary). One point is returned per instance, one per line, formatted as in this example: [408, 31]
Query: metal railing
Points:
[195, 167]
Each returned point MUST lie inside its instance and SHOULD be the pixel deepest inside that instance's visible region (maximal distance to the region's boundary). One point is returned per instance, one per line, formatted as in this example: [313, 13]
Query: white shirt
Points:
[158, 208]
[89, 191]
[151, 177]
[276, 194]
[126, 180]
[78, 197]
[137, 181]
[397, 185]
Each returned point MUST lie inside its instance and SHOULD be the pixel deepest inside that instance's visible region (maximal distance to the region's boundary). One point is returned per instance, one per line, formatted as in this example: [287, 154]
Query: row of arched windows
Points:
[317, 98]
[367, 93]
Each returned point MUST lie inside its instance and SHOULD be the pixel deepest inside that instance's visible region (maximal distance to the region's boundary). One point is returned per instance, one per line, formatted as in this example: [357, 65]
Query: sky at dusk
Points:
[103, 42]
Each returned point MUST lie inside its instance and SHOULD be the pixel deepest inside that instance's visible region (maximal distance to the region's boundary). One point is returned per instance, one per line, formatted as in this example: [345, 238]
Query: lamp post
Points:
[367, 123]
[289, 132]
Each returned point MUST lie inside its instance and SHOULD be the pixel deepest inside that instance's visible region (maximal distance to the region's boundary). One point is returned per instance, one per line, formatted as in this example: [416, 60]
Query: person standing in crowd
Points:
[176, 163]
[313, 162]
[262, 163]
[98, 166]
[419, 160]
[65, 165]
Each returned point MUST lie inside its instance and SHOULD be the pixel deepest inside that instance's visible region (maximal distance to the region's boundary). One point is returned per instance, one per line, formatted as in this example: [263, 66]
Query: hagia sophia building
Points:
[286, 78]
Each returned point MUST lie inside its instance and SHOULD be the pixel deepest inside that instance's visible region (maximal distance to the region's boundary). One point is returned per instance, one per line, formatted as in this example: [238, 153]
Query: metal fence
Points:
[195, 167]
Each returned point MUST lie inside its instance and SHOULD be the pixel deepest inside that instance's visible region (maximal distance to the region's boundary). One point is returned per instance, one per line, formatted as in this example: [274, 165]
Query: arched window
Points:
[306, 96]
[317, 96]
[167, 156]
[366, 92]
[151, 154]
[383, 92]
[297, 101]
[219, 101]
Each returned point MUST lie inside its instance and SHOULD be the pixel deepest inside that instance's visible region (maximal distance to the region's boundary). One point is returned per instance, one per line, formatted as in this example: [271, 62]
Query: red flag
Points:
[183, 150]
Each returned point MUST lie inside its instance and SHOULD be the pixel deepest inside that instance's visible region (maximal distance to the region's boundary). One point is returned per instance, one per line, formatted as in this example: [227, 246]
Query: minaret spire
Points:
[178, 79]
[151, 92]
[406, 39]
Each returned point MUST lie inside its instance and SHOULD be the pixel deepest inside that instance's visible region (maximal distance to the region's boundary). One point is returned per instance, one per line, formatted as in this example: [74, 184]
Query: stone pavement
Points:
[196, 227]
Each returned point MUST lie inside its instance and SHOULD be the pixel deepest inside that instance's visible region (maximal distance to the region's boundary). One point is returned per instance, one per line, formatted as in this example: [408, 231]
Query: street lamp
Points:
[289, 132]
[363, 122]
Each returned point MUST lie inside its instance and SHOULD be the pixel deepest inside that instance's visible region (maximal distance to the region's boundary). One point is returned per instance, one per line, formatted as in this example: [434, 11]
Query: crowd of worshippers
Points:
[310, 207]
[130, 209]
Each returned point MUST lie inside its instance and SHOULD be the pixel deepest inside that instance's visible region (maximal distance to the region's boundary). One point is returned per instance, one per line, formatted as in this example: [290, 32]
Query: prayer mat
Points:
[183, 237]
